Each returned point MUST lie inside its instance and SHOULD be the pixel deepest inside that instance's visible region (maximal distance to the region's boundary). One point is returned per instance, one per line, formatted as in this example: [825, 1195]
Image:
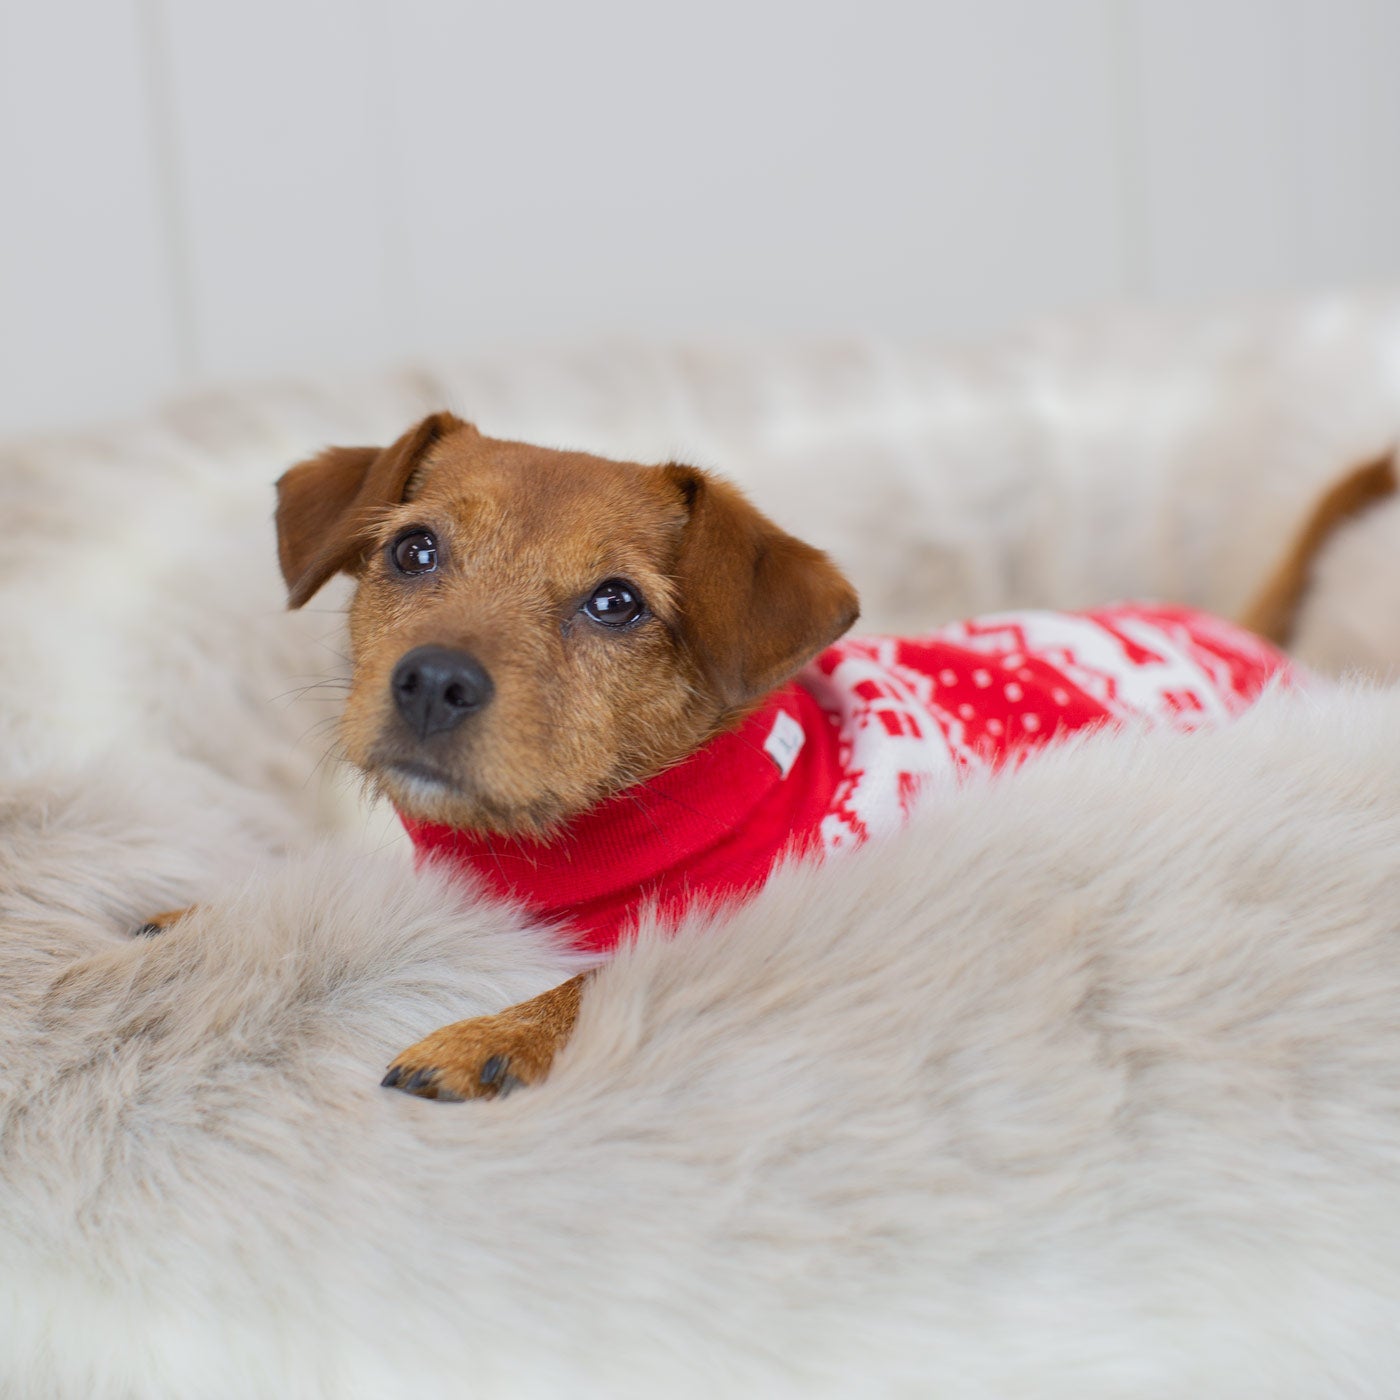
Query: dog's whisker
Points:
[304, 692]
[326, 646]
[318, 728]
[687, 807]
[656, 826]
[331, 756]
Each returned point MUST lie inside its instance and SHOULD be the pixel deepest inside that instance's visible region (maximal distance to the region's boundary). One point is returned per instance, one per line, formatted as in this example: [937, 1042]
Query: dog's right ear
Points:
[325, 504]
[758, 603]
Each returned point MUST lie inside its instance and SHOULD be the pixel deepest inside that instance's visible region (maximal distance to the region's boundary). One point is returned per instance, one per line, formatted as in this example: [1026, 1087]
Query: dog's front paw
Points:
[488, 1056]
[479, 1059]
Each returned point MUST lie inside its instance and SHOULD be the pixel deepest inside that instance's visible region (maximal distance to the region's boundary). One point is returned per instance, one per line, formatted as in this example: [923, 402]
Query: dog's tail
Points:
[1273, 611]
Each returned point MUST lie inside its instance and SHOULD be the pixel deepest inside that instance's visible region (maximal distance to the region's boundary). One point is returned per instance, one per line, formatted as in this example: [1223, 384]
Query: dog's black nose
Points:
[436, 688]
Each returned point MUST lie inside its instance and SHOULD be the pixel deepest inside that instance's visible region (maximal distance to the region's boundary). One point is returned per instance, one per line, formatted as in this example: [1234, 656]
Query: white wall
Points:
[192, 190]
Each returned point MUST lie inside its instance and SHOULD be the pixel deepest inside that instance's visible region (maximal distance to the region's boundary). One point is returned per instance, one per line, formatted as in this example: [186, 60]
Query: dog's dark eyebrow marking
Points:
[690, 488]
[412, 486]
[415, 477]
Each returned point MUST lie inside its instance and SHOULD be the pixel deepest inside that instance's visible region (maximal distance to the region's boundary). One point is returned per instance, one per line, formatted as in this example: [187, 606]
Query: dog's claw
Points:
[495, 1074]
[419, 1081]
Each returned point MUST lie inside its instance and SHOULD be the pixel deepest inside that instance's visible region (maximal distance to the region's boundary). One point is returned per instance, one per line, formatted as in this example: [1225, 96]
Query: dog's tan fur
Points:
[524, 534]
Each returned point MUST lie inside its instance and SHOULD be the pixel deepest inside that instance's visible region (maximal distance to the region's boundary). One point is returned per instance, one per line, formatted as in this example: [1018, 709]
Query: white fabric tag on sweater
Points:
[784, 741]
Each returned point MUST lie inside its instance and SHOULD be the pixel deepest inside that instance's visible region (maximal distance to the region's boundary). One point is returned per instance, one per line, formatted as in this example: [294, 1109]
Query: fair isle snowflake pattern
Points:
[915, 713]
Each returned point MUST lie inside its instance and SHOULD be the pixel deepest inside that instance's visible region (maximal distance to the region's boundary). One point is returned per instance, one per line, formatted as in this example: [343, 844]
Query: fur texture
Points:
[1089, 1084]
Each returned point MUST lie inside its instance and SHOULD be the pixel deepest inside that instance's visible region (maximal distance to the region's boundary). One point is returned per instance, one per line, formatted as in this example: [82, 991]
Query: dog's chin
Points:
[420, 790]
[424, 792]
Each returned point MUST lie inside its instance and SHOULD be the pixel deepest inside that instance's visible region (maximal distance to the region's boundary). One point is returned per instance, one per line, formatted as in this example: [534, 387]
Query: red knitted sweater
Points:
[843, 753]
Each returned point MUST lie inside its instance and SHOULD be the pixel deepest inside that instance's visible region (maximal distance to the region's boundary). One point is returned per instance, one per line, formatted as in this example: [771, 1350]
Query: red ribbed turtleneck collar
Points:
[706, 831]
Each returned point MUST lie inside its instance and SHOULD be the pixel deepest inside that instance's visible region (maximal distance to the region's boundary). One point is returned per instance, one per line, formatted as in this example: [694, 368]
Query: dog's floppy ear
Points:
[325, 503]
[756, 602]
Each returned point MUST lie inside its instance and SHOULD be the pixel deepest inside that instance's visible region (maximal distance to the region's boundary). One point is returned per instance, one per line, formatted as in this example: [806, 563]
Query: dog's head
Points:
[533, 630]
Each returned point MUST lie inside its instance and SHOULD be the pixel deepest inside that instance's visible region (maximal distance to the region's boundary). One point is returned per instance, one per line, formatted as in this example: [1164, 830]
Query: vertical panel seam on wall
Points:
[1130, 144]
[1296, 58]
[397, 310]
[161, 118]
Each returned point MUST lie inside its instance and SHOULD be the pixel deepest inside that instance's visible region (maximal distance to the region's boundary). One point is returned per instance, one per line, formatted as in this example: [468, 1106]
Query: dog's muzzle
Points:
[436, 688]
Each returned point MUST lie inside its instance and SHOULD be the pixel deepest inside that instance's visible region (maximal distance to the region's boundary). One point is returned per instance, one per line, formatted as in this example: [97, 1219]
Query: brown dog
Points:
[536, 630]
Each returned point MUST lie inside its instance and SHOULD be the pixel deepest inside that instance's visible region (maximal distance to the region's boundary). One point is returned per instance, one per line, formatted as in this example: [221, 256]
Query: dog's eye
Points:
[414, 553]
[614, 603]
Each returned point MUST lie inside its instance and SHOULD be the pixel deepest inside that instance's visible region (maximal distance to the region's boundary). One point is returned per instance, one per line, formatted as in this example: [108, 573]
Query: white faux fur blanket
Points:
[1087, 1085]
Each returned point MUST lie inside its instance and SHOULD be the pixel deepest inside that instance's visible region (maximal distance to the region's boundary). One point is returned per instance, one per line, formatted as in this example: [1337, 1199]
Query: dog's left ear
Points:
[325, 504]
[757, 603]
